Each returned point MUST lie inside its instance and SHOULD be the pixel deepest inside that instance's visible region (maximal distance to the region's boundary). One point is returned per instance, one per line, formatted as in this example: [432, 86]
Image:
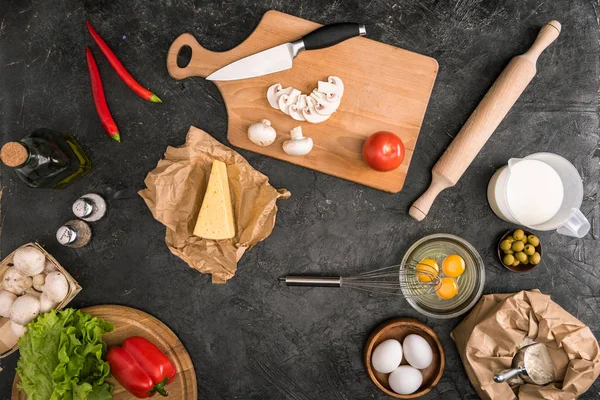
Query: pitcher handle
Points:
[577, 226]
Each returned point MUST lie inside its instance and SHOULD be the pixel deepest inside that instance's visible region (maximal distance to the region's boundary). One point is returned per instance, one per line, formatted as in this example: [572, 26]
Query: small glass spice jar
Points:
[89, 207]
[74, 233]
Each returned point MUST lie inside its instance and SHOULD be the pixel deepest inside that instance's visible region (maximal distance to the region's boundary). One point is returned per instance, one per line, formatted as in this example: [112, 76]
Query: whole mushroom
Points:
[15, 282]
[56, 287]
[6, 301]
[25, 309]
[17, 329]
[298, 145]
[262, 133]
[29, 261]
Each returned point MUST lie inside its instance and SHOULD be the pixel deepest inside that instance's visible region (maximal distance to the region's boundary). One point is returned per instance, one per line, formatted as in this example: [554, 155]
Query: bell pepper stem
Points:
[160, 388]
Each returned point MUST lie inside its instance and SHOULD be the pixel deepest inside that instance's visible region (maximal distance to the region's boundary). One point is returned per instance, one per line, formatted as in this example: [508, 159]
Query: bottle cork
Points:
[13, 154]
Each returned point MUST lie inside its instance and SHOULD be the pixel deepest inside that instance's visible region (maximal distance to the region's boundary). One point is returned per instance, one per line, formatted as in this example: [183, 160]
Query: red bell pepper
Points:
[140, 367]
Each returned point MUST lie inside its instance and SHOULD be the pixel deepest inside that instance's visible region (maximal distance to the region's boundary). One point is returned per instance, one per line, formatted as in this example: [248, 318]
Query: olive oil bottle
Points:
[46, 159]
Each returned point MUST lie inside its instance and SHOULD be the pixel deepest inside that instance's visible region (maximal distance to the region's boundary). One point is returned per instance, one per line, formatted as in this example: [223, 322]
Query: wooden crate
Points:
[8, 341]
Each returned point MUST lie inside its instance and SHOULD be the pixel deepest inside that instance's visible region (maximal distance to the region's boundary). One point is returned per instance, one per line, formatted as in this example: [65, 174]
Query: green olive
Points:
[508, 259]
[529, 249]
[522, 257]
[533, 240]
[509, 252]
[517, 246]
[519, 234]
[525, 262]
[505, 245]
[510, 239]
[516, 263]
[535, 258]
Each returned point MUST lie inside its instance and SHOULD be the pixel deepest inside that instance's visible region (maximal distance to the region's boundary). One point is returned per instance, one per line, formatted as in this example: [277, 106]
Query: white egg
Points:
[417, 351]
[387, 356]
[405, 379]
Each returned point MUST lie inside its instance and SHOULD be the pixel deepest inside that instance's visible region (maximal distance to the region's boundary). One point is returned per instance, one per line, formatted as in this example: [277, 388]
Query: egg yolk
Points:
[447, 289]
[453, 266]
[427, 270]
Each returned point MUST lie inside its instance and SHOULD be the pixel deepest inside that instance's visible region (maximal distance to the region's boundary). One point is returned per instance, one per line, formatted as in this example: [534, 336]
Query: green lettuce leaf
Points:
[62, 357]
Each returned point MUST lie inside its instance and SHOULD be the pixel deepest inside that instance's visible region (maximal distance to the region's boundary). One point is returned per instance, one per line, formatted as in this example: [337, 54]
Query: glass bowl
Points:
[470, 283]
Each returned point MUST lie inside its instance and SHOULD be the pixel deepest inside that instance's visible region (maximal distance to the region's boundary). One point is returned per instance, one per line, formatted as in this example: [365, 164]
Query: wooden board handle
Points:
[202, 62]
[484, 120]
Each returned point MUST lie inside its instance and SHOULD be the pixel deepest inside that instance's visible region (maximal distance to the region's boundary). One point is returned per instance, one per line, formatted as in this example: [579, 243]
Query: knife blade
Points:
[280, 57]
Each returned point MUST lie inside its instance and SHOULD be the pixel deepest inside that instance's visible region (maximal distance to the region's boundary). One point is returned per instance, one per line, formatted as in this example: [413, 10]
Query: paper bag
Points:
[175, 189]
[489, 337]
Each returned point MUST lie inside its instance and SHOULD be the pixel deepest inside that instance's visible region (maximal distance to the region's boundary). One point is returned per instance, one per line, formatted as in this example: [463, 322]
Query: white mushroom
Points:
[286, 100]
[56, 286]
[260, 133]
[275, 92]
[295, 109]
[25, 309]
[298, 145]
[38, 282]
[49, 267]
[17, 329]
[6, 301]
[310, 113]
[15, 282]
[324, 106]
[46, 304]
[334, 87]
[29, 261]
[32, 292]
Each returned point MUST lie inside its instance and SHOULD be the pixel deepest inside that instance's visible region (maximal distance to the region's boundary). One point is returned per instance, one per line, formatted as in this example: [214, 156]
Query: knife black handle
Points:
[332, 34]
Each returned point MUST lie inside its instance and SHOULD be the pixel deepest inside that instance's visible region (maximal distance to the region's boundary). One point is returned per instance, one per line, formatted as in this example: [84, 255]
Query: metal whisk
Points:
[406, 281]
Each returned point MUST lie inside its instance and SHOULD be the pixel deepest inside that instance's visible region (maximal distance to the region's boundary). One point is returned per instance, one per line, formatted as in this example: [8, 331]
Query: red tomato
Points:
[383, 151]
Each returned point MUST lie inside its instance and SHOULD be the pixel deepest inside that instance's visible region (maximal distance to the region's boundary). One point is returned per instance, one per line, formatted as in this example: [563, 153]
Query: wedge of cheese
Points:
[215, 220]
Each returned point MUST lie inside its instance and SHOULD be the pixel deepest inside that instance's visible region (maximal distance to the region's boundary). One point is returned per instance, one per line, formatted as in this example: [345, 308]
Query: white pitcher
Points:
[567, 220]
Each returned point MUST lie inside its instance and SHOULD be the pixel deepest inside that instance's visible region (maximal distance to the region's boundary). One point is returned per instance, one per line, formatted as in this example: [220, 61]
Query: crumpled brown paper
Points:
[489, 337]
[175, 189]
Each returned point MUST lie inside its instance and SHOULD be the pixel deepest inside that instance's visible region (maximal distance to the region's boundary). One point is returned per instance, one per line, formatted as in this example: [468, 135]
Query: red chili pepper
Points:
[98, 93]
[140, 367]
[120, 69]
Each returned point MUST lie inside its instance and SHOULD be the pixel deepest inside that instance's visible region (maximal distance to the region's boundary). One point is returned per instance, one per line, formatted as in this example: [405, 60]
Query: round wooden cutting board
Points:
[131, 322]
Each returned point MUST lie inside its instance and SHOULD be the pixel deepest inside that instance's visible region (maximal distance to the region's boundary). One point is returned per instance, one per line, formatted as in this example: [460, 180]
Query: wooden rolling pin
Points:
[484, 120]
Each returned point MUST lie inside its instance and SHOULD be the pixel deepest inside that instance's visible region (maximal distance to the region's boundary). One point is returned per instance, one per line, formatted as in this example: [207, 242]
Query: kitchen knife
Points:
[280, 57]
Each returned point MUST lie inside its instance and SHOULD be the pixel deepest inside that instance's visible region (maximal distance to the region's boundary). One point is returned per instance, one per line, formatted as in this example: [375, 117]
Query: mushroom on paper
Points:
[298, 145]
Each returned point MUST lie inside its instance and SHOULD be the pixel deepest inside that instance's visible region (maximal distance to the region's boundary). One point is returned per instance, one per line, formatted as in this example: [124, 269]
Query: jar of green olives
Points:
[520, 250]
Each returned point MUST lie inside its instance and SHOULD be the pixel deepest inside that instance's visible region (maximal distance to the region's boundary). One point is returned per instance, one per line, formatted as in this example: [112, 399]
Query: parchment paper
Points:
[489, 337]
[174, 194]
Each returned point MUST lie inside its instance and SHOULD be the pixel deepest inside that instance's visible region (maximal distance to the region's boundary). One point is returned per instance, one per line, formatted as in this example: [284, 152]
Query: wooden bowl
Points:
[520, 267]
[398, 329]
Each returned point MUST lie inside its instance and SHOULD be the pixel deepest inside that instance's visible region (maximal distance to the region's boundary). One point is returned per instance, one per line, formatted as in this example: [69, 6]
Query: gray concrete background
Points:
[253, 338]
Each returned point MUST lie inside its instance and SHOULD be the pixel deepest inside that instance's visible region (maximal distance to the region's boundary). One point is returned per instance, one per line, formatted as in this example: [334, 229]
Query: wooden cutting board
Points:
[131, 322]
[386, 88]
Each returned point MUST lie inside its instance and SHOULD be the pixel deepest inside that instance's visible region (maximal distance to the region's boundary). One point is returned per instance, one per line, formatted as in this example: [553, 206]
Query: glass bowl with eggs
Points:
[456, 264]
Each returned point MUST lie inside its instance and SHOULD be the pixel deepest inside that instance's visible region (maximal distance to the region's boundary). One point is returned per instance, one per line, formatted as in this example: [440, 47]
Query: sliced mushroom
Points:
[296, 108]
[334, 86]
[275, 92]
[286, 100]
[310, 114]
[324, 107]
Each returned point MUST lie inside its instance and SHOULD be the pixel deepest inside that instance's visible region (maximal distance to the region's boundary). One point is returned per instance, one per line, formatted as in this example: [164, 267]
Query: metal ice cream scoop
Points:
[533, 364]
